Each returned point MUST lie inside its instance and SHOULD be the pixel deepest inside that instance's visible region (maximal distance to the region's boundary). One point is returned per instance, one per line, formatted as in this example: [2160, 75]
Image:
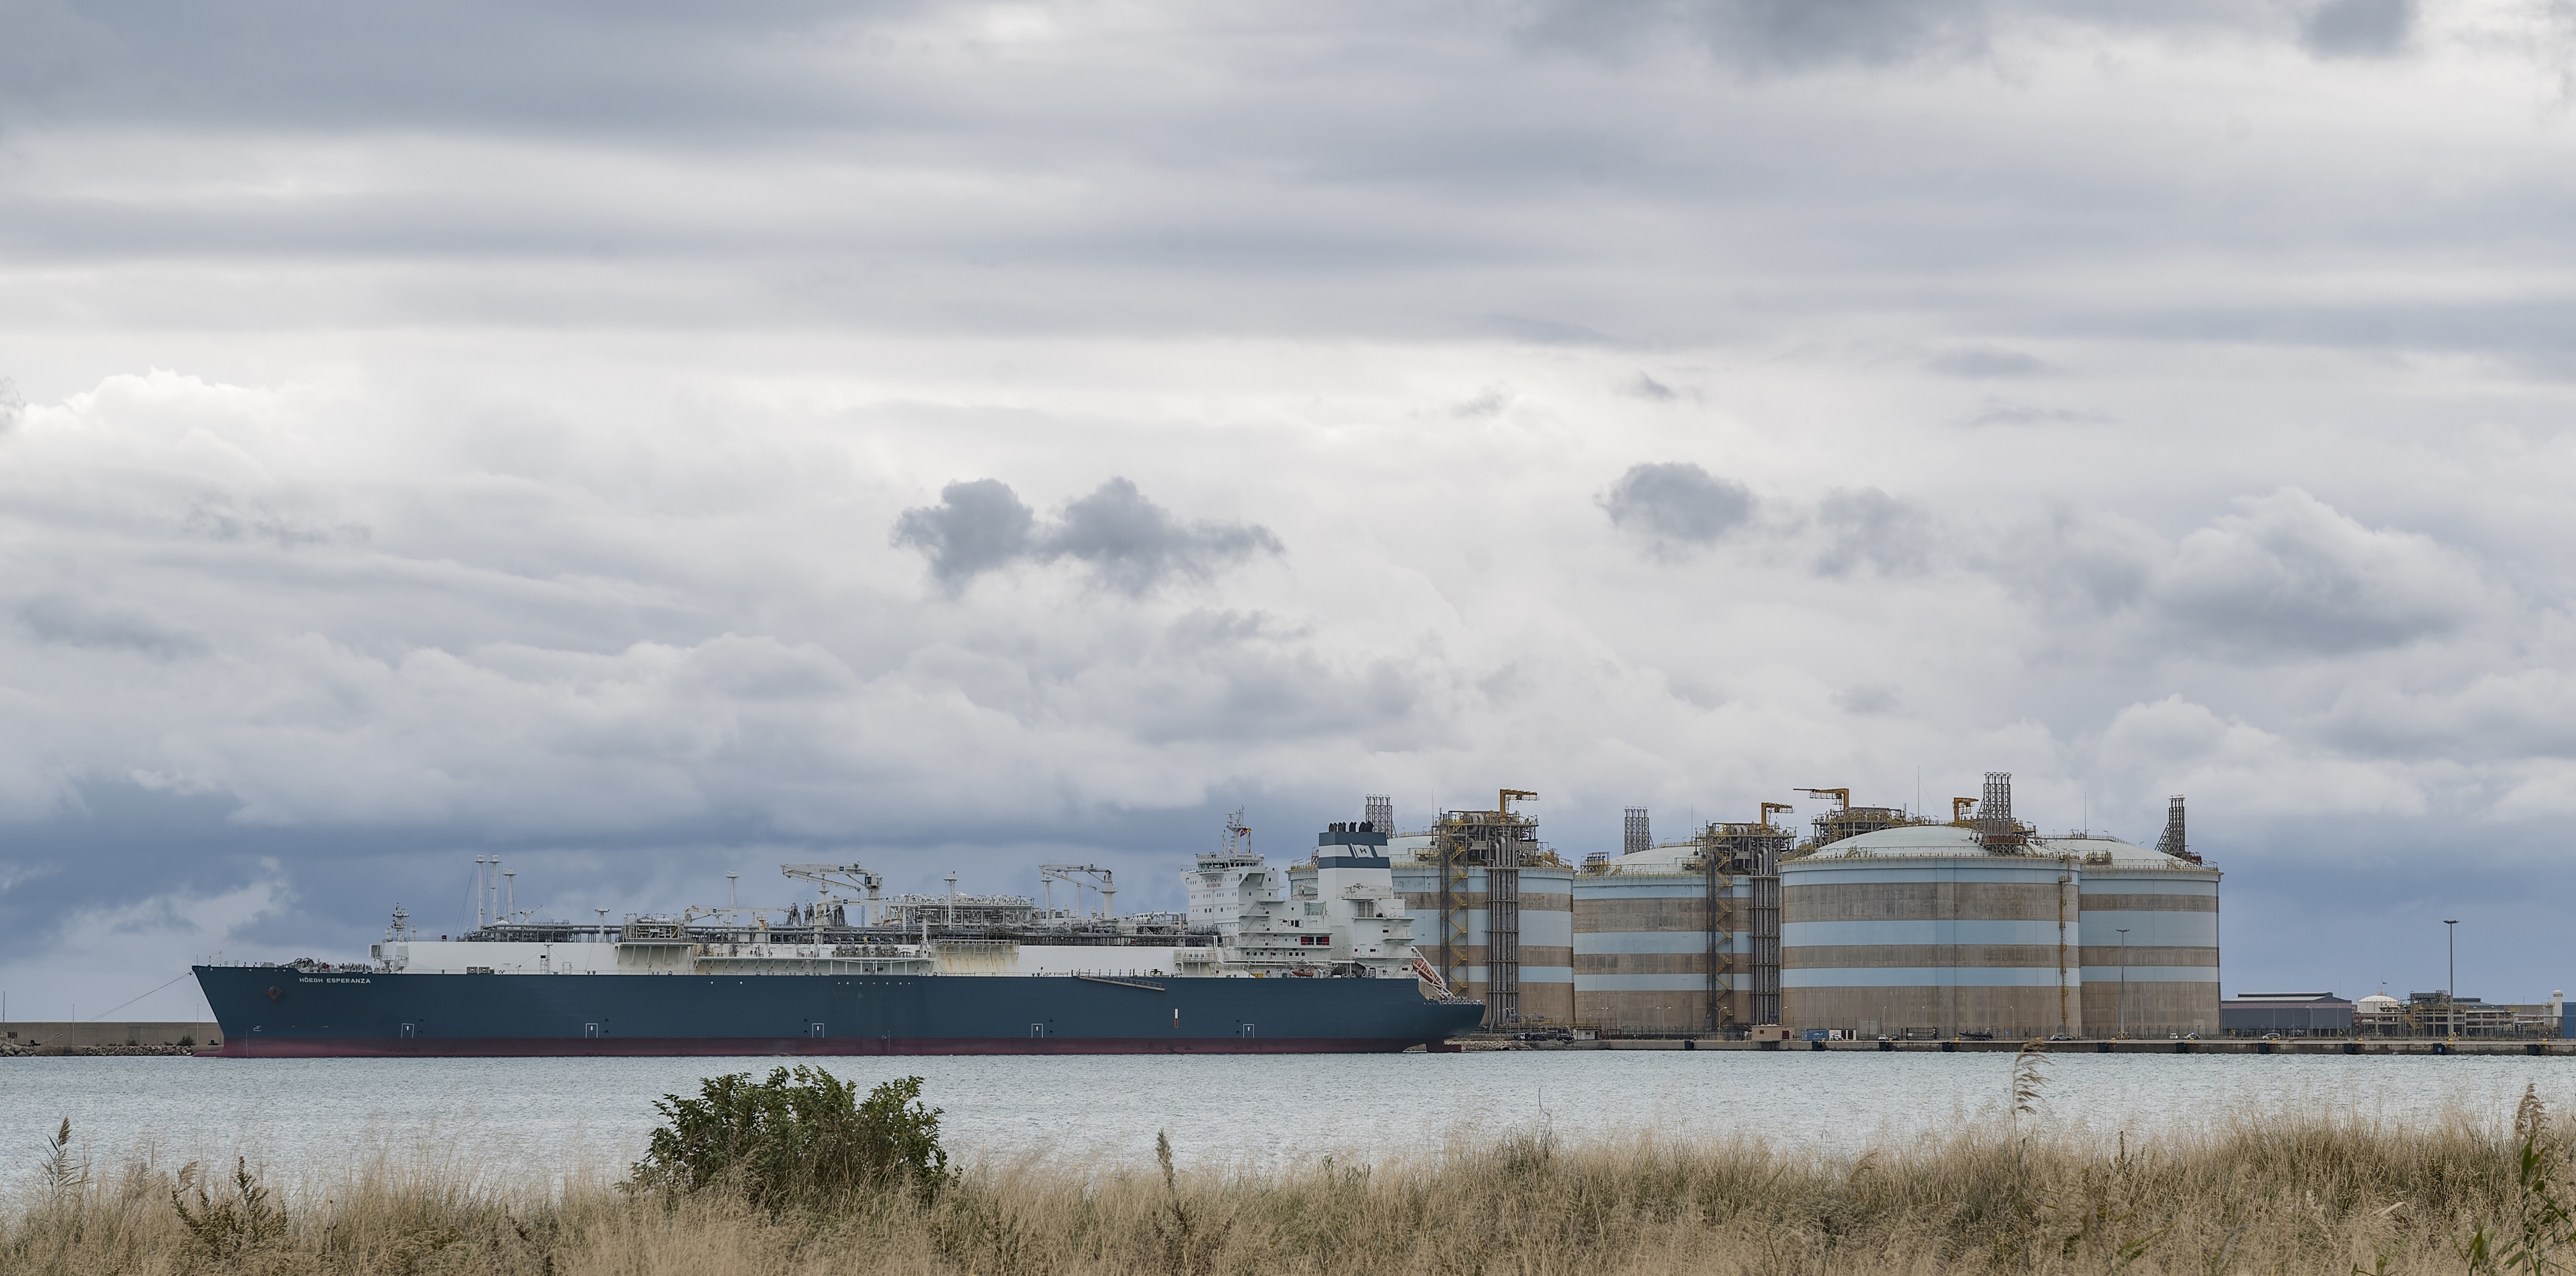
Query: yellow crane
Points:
[1782, 807]
[1959, 808]
[1841, 797]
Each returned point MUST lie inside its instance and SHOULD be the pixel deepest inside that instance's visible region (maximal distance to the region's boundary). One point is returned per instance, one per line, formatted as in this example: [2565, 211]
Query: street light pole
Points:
[2451, 995]
[2124, 981]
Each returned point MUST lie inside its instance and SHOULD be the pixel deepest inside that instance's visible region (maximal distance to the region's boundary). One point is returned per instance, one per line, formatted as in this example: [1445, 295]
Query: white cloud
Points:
[2241, 770]
[2291, 574]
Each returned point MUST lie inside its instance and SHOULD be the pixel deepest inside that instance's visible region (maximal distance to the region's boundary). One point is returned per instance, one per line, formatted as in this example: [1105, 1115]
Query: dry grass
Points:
[2255, 1195]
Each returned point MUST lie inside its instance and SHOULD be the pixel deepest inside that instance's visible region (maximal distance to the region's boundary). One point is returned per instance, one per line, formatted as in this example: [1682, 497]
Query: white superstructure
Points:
[1341, 916]
[1341, 910]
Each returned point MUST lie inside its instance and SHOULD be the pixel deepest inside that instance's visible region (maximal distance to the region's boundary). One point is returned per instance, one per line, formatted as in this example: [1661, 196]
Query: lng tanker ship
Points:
[1319, 958]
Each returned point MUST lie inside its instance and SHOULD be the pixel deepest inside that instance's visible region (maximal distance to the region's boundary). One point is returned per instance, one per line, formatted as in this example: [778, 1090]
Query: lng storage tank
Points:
[1880, 923]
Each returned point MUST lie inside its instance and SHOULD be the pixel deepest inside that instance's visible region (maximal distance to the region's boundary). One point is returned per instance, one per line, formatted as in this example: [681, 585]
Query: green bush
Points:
[801, 1138]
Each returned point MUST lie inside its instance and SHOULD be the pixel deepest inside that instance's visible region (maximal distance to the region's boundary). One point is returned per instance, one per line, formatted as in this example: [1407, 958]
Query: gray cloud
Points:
[2082, 561]
[1130, 544]
[1545, 332]
[220, 520]
[2359, 28]
[2000, 413]
[1869, 528]
[1791, 34]
[1785, 36]
[1676, 506]
[585, 67]
[1780, 34]
[589, 165]
[1133, 545]
[1214, 671]
[2522, 715]
[1980, 363]
[1869, 698]
[2285, 576]
[977, 526]
[1646, 387]
[77, 622]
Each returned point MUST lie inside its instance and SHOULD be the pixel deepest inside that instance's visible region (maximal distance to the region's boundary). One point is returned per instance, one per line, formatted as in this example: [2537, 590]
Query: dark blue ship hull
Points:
[279, 1011]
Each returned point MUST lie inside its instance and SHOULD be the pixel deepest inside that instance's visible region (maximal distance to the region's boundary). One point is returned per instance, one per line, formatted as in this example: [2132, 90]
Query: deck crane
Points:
[1078, 876]
[848, 877]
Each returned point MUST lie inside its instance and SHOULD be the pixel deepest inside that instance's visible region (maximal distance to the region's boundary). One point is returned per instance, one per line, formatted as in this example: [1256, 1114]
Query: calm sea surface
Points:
[538, 1116]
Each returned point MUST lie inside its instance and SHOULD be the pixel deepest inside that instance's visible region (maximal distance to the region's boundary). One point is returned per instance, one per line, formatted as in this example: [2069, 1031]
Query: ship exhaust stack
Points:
[1379, 811]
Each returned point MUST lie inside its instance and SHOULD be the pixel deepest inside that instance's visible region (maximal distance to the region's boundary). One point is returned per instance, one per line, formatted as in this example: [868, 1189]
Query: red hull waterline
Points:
[645, 1047]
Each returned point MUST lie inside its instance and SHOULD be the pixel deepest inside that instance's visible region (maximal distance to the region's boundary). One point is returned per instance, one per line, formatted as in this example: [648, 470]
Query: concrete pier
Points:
[2230, 1045]
[92, 1034]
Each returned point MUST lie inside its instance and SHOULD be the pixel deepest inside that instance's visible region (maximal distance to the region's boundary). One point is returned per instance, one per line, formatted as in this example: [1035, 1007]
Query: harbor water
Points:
[547, 1116]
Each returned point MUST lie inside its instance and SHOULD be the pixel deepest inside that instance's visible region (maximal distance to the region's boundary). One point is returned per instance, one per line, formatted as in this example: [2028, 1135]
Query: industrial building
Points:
[2439, 1014]
[1881, 923]
[2286, 1014]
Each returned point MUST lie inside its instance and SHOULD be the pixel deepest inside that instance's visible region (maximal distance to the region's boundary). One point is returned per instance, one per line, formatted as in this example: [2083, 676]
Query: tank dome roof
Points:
[1919, 841]
[2124, 854]
[1910, 841]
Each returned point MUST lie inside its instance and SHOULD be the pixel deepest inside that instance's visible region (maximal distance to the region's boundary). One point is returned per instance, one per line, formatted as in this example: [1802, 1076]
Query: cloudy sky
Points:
[648, 440]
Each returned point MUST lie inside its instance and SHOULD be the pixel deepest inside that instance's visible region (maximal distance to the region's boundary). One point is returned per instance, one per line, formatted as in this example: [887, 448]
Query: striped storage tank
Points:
[2160, 979]
[1546, 930]
[1642, 945]
[1920, 932]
